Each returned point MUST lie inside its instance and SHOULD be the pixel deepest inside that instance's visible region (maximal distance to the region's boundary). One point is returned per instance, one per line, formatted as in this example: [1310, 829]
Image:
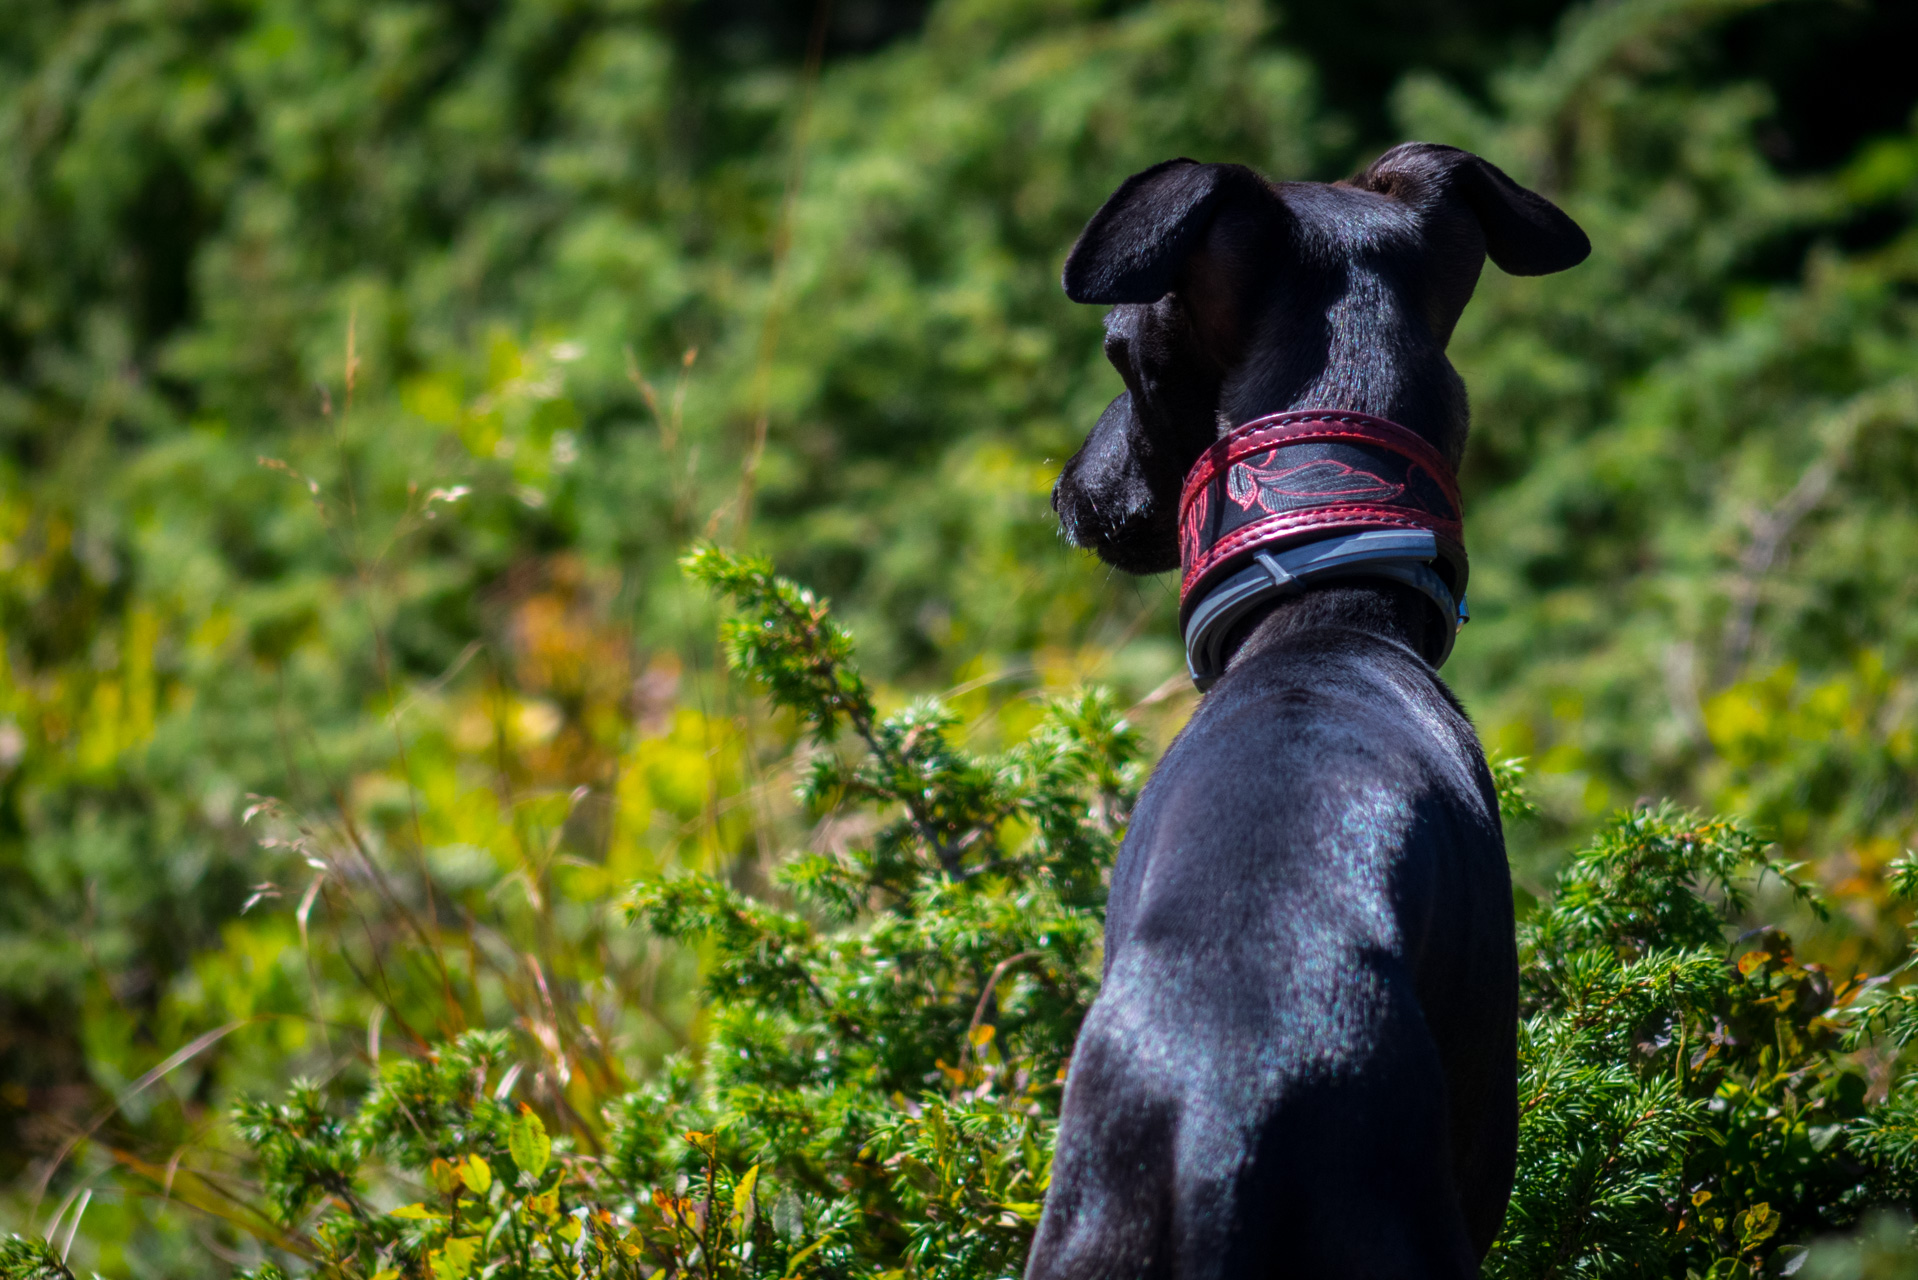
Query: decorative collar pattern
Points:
[1288, 482]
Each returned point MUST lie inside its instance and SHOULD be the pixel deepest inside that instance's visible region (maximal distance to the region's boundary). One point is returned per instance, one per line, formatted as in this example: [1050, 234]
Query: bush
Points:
[885, 1033]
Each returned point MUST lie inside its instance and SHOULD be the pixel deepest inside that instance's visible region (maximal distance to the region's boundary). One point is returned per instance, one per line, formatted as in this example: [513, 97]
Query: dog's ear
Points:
[1134, 247]
[1525, 234]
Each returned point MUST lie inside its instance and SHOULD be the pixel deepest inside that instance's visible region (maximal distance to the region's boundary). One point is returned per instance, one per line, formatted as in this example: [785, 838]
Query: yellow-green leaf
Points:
[388, 1274]
[1028, 1211]
[527, 1142]
[1758, 1224]
[416, 1212]
[455, 1261]
[743, 1197]
[792, 1267]
[476, 1174]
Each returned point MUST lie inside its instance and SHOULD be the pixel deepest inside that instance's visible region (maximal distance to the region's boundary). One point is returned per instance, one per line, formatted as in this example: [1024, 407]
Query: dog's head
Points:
[1233, 297]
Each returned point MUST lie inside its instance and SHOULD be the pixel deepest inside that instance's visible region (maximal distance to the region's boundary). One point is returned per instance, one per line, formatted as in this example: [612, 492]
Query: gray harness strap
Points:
[1403, 555]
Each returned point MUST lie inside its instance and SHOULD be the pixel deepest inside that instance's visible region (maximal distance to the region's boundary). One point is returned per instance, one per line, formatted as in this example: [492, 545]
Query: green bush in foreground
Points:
[886, 1034]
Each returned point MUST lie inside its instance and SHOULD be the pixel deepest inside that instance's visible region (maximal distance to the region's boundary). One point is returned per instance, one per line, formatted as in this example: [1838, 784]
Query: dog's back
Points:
[1299, 1063]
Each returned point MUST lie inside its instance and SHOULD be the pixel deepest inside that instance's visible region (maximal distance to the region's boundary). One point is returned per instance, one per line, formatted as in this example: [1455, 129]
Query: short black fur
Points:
[1303, 1058]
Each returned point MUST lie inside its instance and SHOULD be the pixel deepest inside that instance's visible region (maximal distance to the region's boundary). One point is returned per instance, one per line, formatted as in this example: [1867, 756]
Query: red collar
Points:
[1289, 479]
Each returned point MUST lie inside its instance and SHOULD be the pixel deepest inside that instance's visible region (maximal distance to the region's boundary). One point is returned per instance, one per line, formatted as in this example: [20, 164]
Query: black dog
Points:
[1302, 1062]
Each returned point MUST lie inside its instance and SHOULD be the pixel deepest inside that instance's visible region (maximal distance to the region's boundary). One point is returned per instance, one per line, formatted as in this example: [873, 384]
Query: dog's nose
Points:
[1069, 513]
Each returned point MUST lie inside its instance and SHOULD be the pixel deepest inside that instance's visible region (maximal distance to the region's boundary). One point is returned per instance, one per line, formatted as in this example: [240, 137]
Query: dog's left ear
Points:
[1525, 234]
[1136, 245]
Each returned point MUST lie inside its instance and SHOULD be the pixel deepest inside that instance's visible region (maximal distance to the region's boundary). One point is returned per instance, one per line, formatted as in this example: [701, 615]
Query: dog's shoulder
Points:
[1333, 707]
[1344, 765]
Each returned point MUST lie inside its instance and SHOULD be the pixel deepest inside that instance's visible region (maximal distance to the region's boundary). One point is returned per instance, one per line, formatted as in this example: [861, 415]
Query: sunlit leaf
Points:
[454, 1261]
[528, 1143]
[476, 1174]
[743, 1197]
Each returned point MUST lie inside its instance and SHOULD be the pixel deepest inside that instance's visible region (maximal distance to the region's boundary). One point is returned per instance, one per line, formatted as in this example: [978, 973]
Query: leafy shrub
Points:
[1687, 1107]
[886, 1034]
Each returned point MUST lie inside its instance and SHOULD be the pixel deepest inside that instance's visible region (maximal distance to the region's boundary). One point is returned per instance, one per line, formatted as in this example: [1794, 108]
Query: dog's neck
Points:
[1375, 607]
[1414, 386]
[1367, 353]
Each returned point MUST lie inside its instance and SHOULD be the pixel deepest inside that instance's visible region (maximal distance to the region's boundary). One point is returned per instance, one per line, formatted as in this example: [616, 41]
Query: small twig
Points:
[979, 1010]
[858, 712]
[781, 247]
[1771, 530]
[1681, 690]
[712, 1186]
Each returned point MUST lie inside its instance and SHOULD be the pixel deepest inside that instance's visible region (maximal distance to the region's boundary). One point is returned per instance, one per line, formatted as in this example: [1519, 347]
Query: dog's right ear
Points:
[1525, 234]
[1134, 246]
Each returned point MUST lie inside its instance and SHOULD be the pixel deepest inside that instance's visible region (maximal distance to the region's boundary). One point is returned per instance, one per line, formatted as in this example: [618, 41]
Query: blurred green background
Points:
[365, 365]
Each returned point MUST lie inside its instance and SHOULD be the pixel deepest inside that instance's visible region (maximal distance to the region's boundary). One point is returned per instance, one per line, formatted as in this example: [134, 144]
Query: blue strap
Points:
[1402, 555]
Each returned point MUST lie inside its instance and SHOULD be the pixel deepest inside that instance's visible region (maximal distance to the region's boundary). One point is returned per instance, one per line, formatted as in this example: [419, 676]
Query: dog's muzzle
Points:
[1298, 498]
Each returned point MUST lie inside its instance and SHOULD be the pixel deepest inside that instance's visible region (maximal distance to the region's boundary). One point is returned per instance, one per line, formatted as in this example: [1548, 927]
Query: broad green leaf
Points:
[528, 1143]
[788, 1218]
[455, 1260]
[476, 1174]
[416, 1212]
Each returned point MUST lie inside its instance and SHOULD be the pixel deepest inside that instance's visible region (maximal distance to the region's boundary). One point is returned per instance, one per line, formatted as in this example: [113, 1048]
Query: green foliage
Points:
[881, 1064]
[886, 1031]
[1687, 463]
[31, 1260]
[1689, 1107]
[497, 1193]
